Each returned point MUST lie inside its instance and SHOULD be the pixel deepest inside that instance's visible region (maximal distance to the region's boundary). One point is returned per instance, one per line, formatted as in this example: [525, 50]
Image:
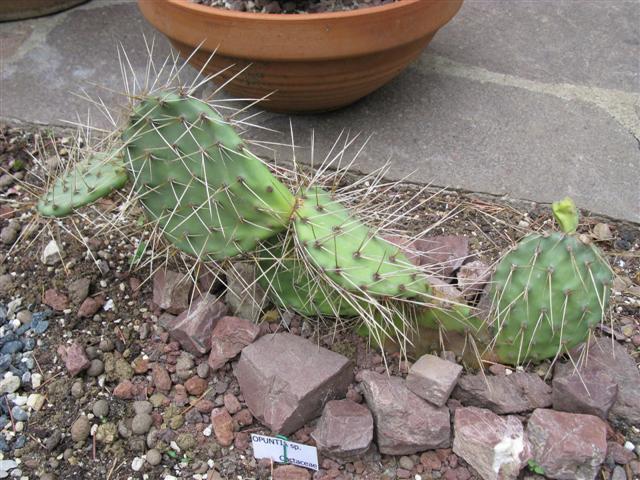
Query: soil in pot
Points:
[289, 6]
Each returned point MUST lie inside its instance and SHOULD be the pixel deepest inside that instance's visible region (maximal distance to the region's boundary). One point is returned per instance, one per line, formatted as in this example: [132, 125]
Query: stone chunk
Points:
[345, 429]
[74, 358]
[222, 426]
[171, 291]
[495, 446]
[518, 392]
[56, 300]
[286, 380]
[193, 327]
[244, 296]
[433, 378]
[605, 355]
[443, 253]
[472, 278]
[51, 253]
[405, 424]
[291, 472]
[79, 290]
[229, 337]
[568, 446]
[590, 392]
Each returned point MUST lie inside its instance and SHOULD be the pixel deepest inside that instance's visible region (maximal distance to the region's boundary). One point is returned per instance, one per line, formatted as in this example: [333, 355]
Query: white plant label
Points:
[283, 451]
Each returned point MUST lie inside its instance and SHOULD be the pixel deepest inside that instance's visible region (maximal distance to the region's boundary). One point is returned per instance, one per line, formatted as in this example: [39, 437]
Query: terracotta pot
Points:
[19, 9]
[313, 62]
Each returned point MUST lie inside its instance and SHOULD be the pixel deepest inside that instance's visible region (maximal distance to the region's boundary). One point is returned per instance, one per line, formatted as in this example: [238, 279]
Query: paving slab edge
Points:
[485, 196]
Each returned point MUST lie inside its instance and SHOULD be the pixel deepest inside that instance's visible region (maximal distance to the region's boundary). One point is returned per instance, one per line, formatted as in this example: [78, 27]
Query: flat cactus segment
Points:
[547, 294]
[89, 180]
[350, 252]
[289, 284]
[210, 196]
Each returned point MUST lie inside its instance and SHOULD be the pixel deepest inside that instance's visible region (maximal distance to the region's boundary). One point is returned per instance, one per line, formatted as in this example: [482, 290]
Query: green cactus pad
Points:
[88, 181]
[210, 196]
[350, 253]
[547, 294]
[290, 285]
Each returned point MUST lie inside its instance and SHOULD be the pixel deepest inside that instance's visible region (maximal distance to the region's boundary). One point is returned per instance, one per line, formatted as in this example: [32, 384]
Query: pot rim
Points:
[293, 17]
[298, 38]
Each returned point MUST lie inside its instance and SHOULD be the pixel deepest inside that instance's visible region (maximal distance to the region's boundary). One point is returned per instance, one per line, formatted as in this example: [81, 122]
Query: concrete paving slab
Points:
[532, 99]
[490, 138]
[592, 43]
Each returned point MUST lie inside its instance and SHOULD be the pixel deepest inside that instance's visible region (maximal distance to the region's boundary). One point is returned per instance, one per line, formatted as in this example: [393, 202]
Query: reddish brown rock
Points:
[90, 306]
[204, 406]
[195, 386]
[568, 446]
[291, 472]
[193, 327]
[140, 365]
[430, 461]
[433, 379]
[74, 358]
[495, 446]
[443, 254]
[222, 426]
[243, 418]
[286, 380]
[229, 337]
[171, 290]
[618, 454]
[125, 390]
[231, 403]
[56, 300]
[405, 423]
[518, 392]
[590, 392]
[161, 379]
[345, 429]
[606, 355]
[472, 278]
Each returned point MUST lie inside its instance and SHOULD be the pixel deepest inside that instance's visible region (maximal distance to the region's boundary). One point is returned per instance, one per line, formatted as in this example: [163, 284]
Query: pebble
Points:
[36, 380]
[96, 368]
[35, 401]
[142, 407]
[53, 440]
[203, 370]
[77, 389]
[24, 316]
[9, 384]
[406, 463]
[106, 345]
[137, 464]
[101, 408]
[154, 457]
[80, 429]
[51, 253]
[141, 423]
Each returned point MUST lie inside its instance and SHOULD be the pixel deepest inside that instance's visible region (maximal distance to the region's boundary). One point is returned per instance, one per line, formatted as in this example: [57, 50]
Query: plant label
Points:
[282, 451]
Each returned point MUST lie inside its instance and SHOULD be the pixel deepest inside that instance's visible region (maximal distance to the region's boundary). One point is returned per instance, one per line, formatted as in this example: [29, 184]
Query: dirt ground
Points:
[491, 224]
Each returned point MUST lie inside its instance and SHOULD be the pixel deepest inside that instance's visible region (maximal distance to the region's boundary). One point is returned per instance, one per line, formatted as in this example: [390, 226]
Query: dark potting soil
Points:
[289, 6]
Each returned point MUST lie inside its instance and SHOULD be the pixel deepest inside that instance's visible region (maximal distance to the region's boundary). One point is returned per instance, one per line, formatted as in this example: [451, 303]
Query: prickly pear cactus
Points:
[289, 284]
[548, 293]
[89, 180]
[350, 253]
[210, 196]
